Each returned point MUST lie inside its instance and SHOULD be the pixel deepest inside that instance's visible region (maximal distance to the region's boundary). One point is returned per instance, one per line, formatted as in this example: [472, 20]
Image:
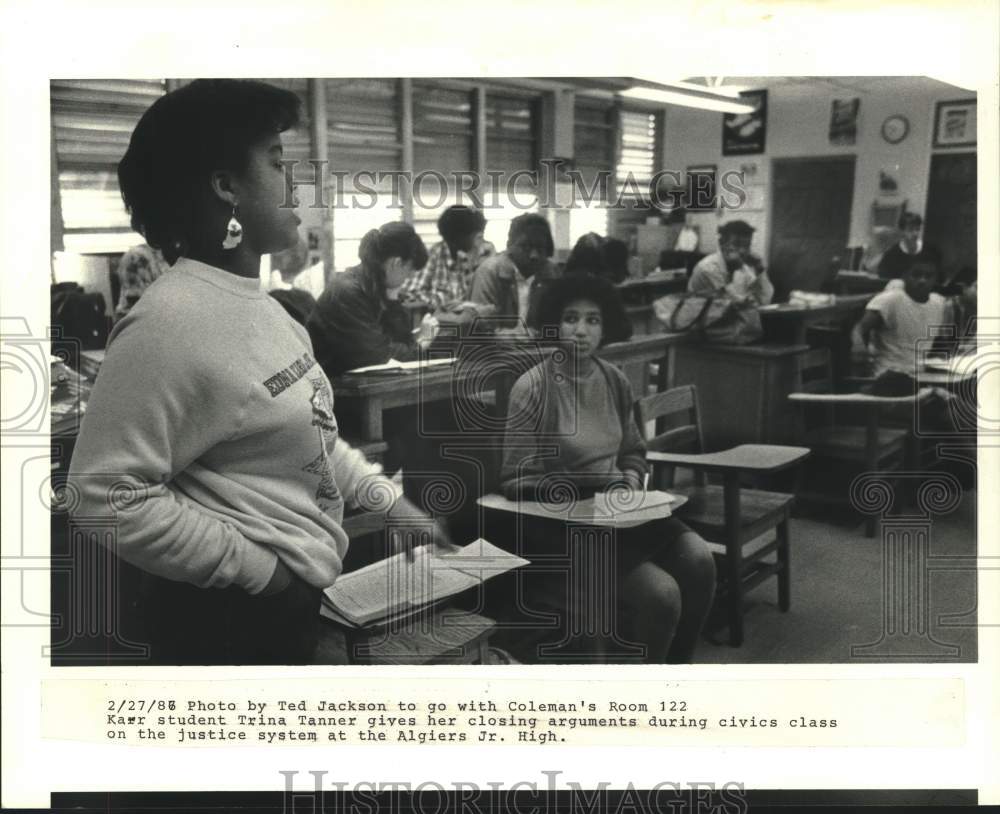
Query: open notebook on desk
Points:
[398, 586]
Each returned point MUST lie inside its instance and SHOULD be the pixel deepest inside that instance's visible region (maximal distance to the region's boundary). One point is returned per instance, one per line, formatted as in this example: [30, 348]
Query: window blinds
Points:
[92, 122]
[637, 150]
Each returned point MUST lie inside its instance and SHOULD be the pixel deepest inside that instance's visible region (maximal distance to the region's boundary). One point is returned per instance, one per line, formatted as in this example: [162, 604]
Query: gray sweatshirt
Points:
[211, 413]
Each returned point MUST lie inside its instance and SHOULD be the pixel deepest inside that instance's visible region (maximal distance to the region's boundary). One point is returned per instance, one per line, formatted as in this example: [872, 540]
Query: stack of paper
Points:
[398, 586]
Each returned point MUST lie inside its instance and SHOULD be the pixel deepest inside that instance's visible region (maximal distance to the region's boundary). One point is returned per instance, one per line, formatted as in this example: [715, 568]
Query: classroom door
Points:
[950, 220]
[810, 220]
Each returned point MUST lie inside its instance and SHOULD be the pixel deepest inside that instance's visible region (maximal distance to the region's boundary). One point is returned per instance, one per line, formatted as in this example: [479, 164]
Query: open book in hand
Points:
[398, 585]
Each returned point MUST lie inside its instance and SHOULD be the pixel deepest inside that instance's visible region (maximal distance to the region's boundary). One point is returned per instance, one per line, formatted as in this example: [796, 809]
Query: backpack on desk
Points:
[720, 320]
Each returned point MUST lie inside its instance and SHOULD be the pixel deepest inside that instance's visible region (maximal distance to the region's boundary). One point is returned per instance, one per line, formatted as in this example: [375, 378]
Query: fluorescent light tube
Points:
[699, 100]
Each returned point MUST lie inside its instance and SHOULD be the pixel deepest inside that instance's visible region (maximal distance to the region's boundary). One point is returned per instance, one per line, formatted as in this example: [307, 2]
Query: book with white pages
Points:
[395, 366]
[400, 585]
[617, 509]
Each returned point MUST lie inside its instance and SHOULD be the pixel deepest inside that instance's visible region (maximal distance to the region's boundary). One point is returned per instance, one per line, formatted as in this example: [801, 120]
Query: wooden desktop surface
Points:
[490, 374]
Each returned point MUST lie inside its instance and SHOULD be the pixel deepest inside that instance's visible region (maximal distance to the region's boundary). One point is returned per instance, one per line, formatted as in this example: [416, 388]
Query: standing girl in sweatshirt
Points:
[210, 412]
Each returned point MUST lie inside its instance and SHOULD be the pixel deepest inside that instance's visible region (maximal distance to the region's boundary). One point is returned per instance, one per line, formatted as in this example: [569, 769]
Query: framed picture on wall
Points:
[955, 123]
[745, 133]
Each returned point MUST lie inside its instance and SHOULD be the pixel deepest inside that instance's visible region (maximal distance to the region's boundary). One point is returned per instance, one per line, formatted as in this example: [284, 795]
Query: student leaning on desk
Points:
[210, 433]
[358, 320]
[733, 270]
[895, 320]
[580, 408]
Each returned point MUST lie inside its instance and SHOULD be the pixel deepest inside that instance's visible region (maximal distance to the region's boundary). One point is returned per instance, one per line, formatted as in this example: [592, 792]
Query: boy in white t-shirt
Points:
[898, 317]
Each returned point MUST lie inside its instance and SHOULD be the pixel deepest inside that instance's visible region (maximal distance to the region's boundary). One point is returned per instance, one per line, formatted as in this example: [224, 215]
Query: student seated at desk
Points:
[732, 269]
[358, 320]
[447, 278]
[209, 441]
[895, 320]
[583, 407]
[601, 256]
[509, 285]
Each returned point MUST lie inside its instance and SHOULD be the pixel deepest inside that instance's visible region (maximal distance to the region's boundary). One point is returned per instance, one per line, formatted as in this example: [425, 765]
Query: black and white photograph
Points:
[459, 439]
[429, 409]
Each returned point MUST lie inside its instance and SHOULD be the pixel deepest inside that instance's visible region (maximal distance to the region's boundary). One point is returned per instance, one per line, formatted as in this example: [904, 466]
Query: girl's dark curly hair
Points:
[207, 125]
[601, 292]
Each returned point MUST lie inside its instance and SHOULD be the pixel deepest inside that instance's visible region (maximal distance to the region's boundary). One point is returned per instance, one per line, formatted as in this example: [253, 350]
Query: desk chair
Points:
[727, 516]
[870, 444]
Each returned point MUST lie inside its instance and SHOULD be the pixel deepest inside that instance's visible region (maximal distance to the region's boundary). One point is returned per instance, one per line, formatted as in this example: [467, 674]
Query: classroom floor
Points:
[837, 597]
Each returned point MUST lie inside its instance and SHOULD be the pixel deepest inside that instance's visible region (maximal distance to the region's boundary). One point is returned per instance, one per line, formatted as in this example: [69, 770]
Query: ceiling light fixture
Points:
[688, 95]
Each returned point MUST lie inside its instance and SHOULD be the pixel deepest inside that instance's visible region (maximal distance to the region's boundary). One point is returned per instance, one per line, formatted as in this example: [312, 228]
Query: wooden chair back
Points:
[814, 374]
[678, 428]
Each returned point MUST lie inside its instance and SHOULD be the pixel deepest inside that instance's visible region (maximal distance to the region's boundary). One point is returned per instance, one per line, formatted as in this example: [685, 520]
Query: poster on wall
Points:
[744, 133]
[844, 121]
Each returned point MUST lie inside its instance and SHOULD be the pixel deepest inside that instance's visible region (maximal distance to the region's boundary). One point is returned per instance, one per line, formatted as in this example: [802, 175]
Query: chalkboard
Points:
[950, 219]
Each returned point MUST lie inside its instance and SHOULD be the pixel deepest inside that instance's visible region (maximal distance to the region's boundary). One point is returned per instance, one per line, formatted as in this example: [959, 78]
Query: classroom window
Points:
[363, 135]
[511, 147]
[637, 134]
[92, 122]
[442, 129]
[594, 135]
[443, 138]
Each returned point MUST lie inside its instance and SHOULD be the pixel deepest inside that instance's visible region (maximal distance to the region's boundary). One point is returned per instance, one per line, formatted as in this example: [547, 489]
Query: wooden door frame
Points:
[845, 158]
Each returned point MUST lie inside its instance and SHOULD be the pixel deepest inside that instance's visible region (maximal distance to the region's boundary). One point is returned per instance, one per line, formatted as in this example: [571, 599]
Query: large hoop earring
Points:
[234, 232]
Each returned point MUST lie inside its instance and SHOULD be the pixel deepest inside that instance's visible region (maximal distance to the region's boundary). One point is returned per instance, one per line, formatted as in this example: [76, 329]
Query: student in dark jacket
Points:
[508, 286]
[897, 260]
[358, 321]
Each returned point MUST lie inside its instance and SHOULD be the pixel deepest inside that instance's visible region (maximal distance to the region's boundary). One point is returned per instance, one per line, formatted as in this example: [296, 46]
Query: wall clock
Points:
[895, 129]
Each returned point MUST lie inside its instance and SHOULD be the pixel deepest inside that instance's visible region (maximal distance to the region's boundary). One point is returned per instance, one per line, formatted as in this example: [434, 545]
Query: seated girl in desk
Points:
[582, 407]
[209, 447]
[358, 320]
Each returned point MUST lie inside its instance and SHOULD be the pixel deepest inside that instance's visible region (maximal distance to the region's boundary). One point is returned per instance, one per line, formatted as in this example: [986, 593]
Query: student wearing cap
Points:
[732, 269]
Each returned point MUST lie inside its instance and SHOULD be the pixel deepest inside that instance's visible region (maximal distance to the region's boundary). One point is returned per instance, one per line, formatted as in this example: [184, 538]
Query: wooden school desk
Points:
[742, 391]
[786, 323]
[588, 557]
[370, 394]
